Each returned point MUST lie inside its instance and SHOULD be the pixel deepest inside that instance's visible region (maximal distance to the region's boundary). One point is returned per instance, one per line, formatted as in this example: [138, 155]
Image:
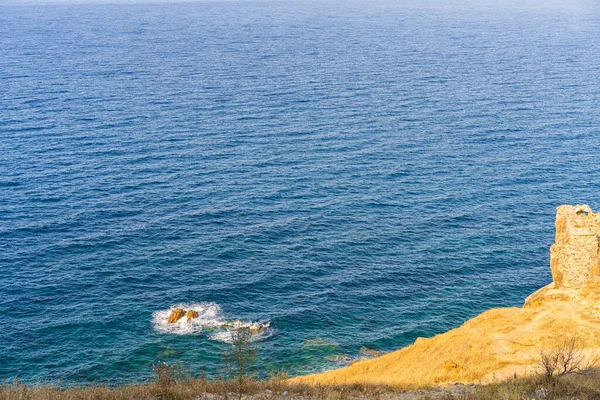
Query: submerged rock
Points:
[167, 353]
[370, 353]
[320, 342]
[338, 358]
[176, 315]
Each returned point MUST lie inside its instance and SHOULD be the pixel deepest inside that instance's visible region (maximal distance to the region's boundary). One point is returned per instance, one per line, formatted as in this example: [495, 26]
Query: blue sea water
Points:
[362, 172]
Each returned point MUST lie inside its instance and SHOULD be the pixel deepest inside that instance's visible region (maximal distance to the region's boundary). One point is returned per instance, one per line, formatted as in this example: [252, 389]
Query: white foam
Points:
[209, 318]
[261, 330]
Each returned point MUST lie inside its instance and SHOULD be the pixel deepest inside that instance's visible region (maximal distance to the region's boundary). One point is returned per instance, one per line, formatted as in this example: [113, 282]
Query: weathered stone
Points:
[191, 314]
[176, 315]
[574, 257]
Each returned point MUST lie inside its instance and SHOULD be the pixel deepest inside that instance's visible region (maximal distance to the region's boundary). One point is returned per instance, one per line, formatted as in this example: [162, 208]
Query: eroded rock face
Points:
[575, 255]
[191, 314]
[176, 315]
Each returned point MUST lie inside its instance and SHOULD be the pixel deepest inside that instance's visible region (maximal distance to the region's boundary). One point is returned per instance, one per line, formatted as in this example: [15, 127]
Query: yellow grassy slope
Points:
[494, 345]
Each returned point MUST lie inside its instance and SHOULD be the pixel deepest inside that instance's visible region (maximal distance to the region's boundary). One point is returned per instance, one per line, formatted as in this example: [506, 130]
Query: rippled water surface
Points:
[360, 172]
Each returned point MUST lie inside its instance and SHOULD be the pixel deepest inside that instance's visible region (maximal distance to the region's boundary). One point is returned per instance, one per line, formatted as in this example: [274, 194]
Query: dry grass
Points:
[494, 345]
[466, 354]
[568, 357]
[488, 351]
[569, 387]
[190, 389]
[581, 387]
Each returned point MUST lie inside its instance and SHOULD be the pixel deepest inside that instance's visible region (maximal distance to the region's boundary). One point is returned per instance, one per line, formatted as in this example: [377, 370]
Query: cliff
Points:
[503, 342]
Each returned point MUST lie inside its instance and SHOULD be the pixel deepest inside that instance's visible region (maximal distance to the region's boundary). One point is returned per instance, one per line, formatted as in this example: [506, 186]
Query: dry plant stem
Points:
[240, 358]
[567, 387]
[567, 358]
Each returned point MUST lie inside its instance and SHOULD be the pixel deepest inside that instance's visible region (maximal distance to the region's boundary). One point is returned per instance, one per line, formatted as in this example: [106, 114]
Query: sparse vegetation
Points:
[166, 377]
[566, 372]
[193, 389]
[240, 358]
[566, 358]
[566, 387]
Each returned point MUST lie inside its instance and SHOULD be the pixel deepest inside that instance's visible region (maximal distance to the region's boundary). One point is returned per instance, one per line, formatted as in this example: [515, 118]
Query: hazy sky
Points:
[546, 3]
[522, 5]
[121, 1]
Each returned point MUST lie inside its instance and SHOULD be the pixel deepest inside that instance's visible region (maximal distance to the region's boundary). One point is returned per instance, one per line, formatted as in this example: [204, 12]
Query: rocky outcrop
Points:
[179, 313]
[176, 315]
[191, 314]
[575, 256]
[503, 342]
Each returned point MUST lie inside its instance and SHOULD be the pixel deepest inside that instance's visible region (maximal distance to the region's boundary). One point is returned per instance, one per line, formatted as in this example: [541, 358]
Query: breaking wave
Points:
[260, 330]
[210, 320]
[208, 317]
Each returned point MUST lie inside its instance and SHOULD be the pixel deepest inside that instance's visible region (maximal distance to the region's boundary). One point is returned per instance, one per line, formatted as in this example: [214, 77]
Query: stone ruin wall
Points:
[574, 257]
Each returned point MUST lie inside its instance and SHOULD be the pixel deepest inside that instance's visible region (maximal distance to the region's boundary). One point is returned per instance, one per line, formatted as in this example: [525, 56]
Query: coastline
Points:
[494, 355]
[503, 343]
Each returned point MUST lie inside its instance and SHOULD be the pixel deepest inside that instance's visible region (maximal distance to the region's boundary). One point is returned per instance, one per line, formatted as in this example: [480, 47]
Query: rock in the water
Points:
[320, 342]
[255, 330]
[338, 358]
[176, 315]
[192, 314]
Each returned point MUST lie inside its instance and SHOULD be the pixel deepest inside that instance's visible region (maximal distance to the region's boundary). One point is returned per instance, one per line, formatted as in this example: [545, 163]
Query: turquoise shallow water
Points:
[363, 172]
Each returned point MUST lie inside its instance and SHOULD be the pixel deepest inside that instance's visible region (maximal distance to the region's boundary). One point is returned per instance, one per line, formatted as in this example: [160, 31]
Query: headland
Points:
[503, 343]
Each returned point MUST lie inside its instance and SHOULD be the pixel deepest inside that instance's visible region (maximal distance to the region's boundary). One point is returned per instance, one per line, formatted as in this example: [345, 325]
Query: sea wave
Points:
[210, 320]
[259, 331]
[208, 317]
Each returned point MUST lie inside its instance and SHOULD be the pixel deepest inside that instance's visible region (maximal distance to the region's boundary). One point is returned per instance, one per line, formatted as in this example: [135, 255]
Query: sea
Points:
[348, 175]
